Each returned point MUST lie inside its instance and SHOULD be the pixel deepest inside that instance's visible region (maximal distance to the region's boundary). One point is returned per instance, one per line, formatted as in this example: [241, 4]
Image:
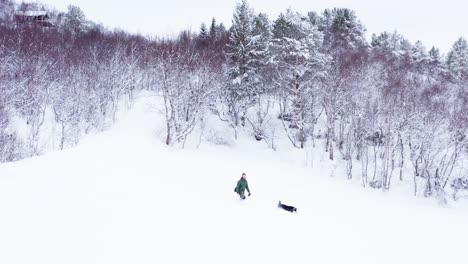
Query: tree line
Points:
[386, 105]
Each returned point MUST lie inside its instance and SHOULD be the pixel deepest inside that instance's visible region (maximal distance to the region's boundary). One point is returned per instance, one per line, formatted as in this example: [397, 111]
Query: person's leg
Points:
[242, 196]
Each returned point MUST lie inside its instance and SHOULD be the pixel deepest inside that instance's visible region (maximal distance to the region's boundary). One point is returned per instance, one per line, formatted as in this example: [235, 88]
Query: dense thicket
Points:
[382, 103]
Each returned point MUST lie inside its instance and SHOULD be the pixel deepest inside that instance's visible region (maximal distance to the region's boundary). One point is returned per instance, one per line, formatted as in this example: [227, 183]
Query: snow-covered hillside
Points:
[124, 197]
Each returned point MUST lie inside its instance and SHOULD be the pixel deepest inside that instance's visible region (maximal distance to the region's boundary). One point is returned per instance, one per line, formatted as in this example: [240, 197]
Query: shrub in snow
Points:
[459, 184]
[259, 134]
[375, 184]
[9, 148]
[285, 116]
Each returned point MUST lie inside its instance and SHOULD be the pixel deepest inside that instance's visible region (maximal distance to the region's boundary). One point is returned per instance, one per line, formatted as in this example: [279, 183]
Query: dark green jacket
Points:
[242, 184]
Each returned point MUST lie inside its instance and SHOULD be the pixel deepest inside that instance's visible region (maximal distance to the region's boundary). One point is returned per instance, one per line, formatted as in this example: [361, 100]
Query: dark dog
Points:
[287, 207]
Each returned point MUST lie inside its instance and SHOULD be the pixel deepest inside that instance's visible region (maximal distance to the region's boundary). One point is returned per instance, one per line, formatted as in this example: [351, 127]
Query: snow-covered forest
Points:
[380, 106]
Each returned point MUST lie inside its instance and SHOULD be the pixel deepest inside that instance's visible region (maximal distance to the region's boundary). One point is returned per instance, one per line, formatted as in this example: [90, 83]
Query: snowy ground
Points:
[123, 197]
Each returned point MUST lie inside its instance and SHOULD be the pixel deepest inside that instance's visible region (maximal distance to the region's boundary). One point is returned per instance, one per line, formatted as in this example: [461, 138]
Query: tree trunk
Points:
[365, 164]
[168, 137]
[302, 138]
[350, 168]
[330, 139]
[62, 139]
[402, 157]
[375, 163]
[416, 174]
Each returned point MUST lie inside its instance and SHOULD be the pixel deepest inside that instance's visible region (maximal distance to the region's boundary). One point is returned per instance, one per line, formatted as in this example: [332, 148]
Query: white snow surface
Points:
[122, 196]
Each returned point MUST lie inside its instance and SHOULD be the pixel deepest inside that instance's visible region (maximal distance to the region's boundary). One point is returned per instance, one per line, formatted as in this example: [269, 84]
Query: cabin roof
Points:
[31, 13]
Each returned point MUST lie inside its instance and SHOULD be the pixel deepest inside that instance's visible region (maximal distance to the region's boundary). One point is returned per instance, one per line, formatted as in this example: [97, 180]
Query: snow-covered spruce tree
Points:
[299, 67]
[75, 20]
[239, 89]
[261, 79]
[436, 64]
[457, 60]
[214, 31]
[420, 58]
[343, 35]
[203, 39]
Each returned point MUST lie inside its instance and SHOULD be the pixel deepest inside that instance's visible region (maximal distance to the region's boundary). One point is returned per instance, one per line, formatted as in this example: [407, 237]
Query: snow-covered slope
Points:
[123, 197]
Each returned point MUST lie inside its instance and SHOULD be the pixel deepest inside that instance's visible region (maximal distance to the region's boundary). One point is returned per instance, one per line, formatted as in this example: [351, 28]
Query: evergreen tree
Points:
[391, 47]
[203, 34]
[261, 77]
[203, 38]
[75, 20]
[457, 60]
[240, 67]
[240, 48]
[419, 57]
[313, 18]
[434, 56]
[221, 28]
[299, 65]
[435, 64]
[261, 53]
[342, 30]
[213, 30]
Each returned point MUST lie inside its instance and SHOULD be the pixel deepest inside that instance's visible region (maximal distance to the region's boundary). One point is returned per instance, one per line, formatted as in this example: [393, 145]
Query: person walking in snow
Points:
[242, 185]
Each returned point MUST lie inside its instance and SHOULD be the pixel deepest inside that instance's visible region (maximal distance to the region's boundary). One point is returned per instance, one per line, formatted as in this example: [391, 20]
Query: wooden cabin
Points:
[40, 18]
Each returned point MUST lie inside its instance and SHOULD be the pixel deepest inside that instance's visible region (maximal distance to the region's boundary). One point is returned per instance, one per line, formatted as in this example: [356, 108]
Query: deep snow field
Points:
[122, 196]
